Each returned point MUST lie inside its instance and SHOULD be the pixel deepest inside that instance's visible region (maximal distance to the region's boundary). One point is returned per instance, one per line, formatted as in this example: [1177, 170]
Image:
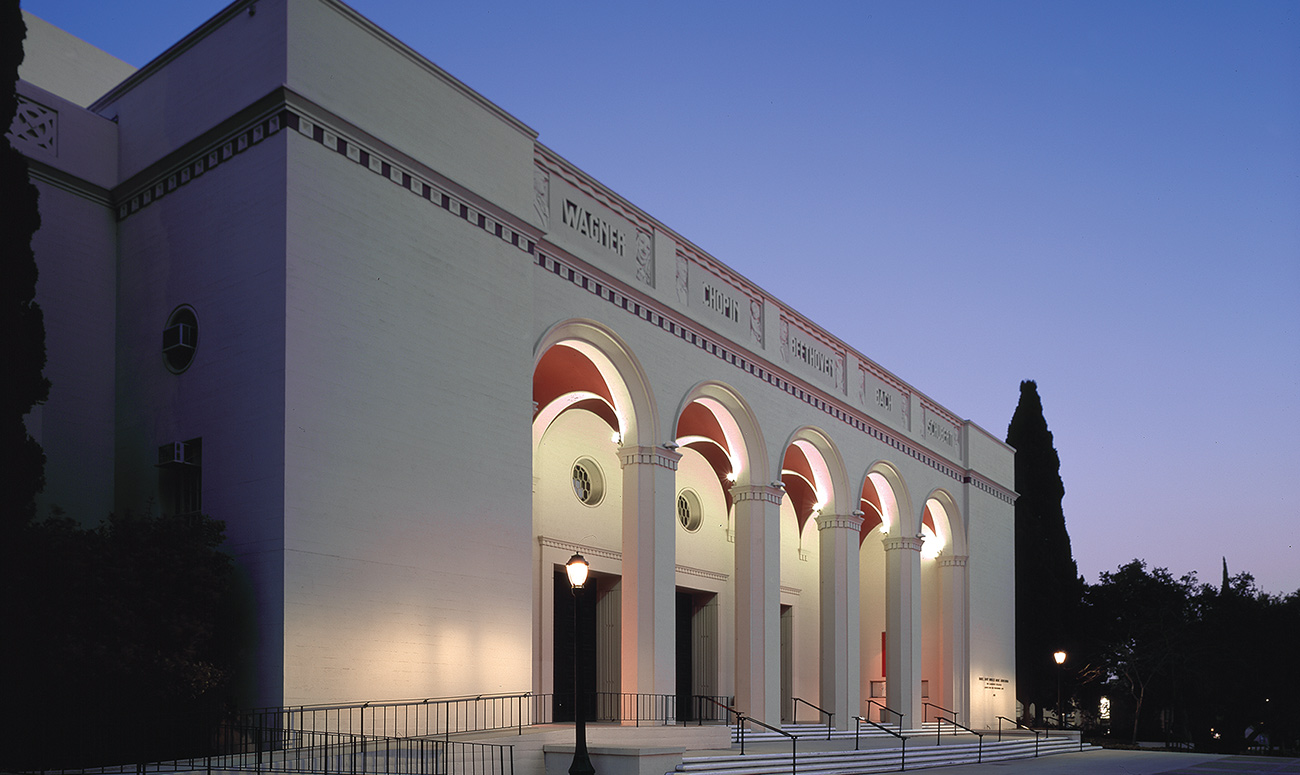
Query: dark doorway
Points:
[685, 652]
[565, 599]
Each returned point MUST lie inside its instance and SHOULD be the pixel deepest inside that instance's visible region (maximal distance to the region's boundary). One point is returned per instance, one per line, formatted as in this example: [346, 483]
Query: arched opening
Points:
[812, 479]
[879, 501]
[715, 435]
[590, 400]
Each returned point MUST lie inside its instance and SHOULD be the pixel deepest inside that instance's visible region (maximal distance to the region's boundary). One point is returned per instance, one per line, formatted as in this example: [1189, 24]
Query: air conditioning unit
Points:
[181, 453]
[172, 453]
[181, 336]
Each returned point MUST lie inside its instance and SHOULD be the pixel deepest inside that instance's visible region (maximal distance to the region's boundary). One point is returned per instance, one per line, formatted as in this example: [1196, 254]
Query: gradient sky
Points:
[1100, 196]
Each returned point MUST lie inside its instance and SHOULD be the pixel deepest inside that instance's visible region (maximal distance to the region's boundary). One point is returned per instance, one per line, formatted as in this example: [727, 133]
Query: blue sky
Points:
[1100, 196]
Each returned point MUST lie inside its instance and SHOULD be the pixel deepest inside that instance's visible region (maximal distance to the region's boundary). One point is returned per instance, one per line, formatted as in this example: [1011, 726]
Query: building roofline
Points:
[240, 6]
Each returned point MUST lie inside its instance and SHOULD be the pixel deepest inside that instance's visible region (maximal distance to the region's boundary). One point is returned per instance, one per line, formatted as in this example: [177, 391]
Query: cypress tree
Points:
[22, 326]
[1048, 588]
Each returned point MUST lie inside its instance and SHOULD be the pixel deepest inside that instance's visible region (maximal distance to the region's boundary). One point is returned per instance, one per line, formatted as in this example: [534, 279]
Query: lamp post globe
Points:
[577, 568]
[1059, 656]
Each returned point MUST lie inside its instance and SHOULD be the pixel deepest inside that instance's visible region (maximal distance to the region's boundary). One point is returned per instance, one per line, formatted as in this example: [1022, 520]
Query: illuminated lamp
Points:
[577, 568]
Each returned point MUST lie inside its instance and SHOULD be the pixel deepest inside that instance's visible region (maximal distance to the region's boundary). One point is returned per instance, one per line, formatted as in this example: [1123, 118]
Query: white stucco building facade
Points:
[418, 360]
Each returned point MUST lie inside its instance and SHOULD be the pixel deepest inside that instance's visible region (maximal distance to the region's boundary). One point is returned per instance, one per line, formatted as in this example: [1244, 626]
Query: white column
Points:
[649, 655]
[956, 634]
[758, 601]
[903, 627]
[841, 653]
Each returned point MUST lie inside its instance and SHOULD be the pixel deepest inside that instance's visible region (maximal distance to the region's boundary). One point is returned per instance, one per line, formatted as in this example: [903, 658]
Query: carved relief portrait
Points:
[785, 340]
[542, 196]
[683, 280]
[645, 271]
[756, 320]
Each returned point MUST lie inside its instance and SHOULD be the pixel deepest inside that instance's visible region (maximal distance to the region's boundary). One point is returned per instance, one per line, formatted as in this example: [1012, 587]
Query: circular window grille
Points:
[689, 512]
[588, 483]
[180, 339]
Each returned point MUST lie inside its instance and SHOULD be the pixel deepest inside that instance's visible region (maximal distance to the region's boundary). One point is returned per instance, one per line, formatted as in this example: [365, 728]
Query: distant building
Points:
[300, 278]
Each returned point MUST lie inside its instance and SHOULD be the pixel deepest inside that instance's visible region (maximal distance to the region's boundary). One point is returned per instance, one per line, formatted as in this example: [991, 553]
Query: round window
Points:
[180, 339]
[689, 512]
[588, 482]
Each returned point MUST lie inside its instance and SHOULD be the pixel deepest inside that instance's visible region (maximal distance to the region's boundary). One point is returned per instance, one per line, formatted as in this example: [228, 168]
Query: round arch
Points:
[631, 395]
[830, 479]
[949, 525]
[739, 425]
[884, 470]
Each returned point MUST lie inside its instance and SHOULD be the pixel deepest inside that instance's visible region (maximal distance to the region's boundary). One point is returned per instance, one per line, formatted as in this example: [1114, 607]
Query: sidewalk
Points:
[1114, 762]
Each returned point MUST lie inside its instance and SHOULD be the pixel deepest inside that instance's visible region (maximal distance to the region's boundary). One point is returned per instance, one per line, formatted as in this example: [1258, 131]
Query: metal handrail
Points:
[902, 764]
[938, 740]
[1022, 726]
[925, 711]
[273, 751]
[830, 723]
[891, 710]
[442, 717]
[794, 739]
[700, 699]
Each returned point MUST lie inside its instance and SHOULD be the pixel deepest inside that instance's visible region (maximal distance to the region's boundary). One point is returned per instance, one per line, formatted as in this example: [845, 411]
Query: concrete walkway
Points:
[1113, 762]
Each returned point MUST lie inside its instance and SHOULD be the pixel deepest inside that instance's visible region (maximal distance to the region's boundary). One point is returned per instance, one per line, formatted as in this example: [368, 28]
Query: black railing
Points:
[857, 733]
[1022, 726]
[883, 710]
[429, 717]
[938, 740]
[794, 741]
[443, 717]
[277, 751]
[925, 712]
[830, 717]
[713, 708]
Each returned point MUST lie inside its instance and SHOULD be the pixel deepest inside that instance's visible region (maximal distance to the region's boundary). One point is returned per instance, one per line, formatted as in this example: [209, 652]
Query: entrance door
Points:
[697, 653]
[787, 663]
[685, 655]
[563, 667]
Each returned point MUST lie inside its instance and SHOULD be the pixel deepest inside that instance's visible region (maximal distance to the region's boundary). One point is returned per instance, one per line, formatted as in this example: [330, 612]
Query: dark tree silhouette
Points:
[1048, 588]
[22, 328]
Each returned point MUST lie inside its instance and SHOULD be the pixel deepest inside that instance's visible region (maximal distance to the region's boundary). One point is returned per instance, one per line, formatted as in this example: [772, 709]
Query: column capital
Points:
[756, 492]
[905, 543]
[652, 456]
[953, 561]
[842, 521]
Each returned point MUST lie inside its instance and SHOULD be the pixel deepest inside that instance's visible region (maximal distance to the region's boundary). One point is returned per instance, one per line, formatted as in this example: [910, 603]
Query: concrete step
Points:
[876, 759]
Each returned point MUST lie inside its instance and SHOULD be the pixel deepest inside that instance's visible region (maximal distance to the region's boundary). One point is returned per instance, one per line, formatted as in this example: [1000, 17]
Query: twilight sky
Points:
[1100, 196]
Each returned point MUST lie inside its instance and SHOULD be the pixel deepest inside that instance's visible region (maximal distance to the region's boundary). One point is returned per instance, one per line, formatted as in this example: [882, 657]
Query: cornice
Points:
[756, 492]
[903, 543]
[656, 456]
[282, 109]
[839, 521]
[72, 184]
[547, 542]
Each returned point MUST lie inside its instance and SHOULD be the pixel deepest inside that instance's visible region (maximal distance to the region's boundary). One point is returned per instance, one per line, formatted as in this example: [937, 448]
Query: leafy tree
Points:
[1140, 625]
[125, 634]
[22, 327]
[1048, 588]
[1245, 674]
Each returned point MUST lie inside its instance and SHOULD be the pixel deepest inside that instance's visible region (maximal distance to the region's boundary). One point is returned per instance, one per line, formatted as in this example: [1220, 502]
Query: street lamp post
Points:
[577, 568]
[1060, 662]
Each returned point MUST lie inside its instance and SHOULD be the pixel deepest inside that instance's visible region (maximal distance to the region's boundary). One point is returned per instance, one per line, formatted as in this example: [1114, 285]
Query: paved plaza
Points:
[1113, 762]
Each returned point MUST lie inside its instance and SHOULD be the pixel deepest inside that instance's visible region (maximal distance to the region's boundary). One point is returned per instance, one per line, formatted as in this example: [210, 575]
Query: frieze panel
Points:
[884, 399]
[718, 301]
[940, 430]
[810, 355]
[587, 227]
